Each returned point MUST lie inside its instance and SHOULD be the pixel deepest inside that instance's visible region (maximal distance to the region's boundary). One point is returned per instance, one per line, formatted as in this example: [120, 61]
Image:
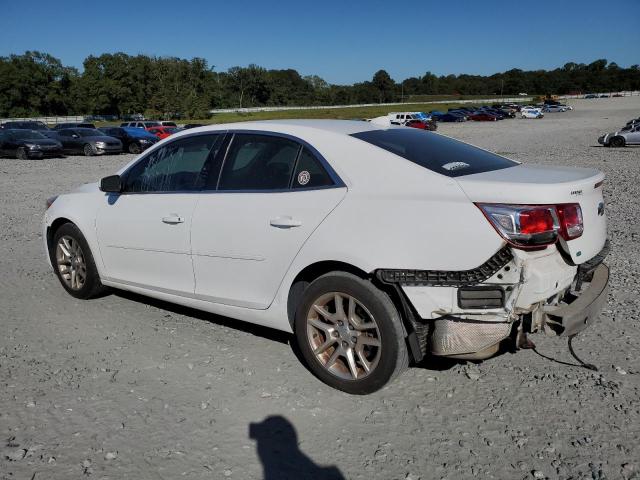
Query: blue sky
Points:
[342, 41]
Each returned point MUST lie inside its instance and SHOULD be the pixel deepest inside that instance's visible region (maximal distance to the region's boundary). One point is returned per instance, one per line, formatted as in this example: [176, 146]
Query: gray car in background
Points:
[88, 141]
[621, 137]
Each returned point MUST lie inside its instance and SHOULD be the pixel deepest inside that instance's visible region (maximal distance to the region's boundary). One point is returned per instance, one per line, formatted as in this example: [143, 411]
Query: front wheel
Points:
[74, 264]
[617, 142]
[350, 334]
[88, 150]
[134, 148]
[22, 154]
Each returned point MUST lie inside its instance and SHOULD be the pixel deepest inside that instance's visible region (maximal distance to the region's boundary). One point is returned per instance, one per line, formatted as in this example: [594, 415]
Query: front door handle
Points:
[173, 219]
[284, 222]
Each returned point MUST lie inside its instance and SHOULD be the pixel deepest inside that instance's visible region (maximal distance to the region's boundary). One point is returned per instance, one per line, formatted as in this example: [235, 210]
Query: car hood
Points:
[86, 188]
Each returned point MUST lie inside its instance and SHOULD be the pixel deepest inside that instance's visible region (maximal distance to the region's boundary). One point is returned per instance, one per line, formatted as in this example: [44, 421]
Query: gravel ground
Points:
[127, 387]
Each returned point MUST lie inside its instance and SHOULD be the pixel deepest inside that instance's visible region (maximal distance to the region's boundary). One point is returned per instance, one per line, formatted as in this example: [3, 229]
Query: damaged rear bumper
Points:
[580, 311]
[460, 314]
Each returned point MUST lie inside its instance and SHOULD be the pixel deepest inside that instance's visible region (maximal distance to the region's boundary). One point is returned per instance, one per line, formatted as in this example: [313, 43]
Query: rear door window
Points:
[258, 162]
[435, 152]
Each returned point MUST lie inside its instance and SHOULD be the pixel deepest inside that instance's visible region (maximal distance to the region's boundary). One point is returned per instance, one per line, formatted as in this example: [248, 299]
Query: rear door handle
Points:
[284, 222]
[173, 219]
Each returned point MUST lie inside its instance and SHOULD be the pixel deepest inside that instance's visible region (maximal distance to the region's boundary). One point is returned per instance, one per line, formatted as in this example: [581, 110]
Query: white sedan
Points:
[531, 112]
[374, 246]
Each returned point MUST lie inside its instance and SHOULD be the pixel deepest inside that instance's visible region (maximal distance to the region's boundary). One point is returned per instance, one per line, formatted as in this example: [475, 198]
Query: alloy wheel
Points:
[343, 336]
[71, 262]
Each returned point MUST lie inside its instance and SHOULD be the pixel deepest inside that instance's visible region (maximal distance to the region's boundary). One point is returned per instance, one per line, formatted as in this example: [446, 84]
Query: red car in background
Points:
[162, 132]
[483, 117]
[422, 124]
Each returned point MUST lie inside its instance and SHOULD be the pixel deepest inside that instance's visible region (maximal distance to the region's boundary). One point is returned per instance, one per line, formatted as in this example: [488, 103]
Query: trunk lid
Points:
[541, 185]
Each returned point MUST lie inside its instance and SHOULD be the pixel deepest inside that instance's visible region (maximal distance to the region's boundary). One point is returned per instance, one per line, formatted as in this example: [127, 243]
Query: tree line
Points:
[37, 83]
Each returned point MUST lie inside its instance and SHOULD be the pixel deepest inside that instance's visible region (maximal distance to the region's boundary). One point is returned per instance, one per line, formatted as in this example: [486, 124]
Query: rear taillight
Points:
[531, 226]
[570, 216]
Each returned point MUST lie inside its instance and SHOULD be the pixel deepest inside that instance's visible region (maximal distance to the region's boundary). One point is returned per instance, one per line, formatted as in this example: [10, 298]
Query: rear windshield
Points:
[437, 153]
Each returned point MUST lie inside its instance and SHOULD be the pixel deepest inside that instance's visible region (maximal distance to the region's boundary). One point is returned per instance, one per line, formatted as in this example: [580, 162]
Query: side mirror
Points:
[111, 184]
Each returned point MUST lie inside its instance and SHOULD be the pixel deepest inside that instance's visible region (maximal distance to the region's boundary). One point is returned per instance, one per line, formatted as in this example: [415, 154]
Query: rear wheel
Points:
[350, 334]
[22, 154]
[134, 148]
[74, 264]
[88, 150]
[617, 142]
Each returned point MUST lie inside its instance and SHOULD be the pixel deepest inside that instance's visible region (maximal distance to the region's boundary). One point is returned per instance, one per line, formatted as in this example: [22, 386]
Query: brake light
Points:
[536, 221]
[524, 226]
[531, 226]
[570, 216]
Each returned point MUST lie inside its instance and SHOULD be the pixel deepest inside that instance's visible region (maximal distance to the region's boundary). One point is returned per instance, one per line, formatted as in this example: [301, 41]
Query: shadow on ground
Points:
[277, 445]
[257, 330]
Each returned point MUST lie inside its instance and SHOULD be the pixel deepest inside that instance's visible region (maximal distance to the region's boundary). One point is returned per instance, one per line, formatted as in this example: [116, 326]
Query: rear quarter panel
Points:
[396, 214]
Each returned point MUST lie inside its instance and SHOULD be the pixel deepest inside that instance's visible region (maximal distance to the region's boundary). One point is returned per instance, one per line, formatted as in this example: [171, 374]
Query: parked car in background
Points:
[25, 125]
[591, 95]
[531, 112]
[162, 132]
[496, 113]
[448, 117]
[134, 140]
[166, 123]
[61, 126]
[521, 254]
[145, 124]
[554, 108]
[88, 141]
[621, 138]
[430, 125]
[192, 125]
[483, 117]
[28, 144]
[401, 118]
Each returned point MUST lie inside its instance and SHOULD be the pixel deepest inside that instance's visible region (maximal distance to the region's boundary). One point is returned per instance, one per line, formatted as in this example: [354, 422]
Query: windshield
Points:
[28, 135]
[435, 152]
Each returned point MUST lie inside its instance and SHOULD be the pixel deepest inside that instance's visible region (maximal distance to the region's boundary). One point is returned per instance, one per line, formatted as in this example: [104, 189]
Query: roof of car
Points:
[346, 127]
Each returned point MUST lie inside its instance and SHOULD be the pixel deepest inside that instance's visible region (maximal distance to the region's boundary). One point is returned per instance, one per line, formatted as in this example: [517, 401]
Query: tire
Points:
[134, 148]
[617, 142]
[77, 271]
[371, 335]
[88, 150]
[22, 154]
